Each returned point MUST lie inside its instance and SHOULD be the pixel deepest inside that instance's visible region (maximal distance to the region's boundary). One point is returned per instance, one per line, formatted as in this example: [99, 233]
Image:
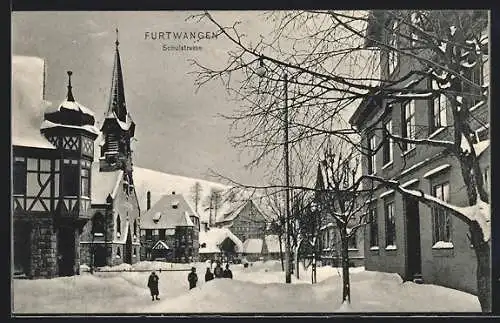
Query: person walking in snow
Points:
[227, 272]
[153, 286]
[208, 275]
[218, 272]
[192, 278]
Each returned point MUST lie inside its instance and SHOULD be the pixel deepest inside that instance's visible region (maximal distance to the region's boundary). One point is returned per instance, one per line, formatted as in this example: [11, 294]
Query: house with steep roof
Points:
[245, 219]
[51, 164]
[173, 226]
[111, 237]
[219, 244]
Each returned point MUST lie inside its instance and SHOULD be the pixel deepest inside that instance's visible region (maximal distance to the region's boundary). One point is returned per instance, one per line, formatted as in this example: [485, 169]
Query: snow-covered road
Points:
[259, 288]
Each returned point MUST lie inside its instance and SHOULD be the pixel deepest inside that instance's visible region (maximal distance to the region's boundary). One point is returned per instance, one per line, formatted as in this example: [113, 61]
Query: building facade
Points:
[407, 237]
[111, 237]
[245, 221]
[51, 188]
[173, 221]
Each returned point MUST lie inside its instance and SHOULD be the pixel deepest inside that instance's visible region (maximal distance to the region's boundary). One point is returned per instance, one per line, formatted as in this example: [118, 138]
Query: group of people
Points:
[192, 278]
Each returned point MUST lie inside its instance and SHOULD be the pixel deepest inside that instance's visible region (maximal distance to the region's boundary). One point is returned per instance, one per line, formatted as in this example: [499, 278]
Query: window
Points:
[372, 160]
[415, 21]
[486, 176]
[372, 217]
[440, 218]
[352, 242]
[135, 227]
[70, 185]
[408, 128]
[438, 111]
[19, 177]
[85, 183]
[387, 148]
[118, 226]
[483, 133]
[118, 253]
[161, 234]
[393, 57]
[98, 224]
[390, 225]
[149, 234]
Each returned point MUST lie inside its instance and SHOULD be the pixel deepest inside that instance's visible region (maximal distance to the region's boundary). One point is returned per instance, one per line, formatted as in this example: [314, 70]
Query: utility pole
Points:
[288, 278]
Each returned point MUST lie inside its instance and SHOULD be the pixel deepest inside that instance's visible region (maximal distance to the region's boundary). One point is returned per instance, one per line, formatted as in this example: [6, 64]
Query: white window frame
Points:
[439, 109]
[390, 216]
[444, 196]
[372, 145]
[410, 124]
[388, 127]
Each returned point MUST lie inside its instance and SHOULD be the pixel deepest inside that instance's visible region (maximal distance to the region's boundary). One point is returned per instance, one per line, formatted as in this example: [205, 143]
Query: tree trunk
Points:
[281, 253]
[483, 274]
[346, 287]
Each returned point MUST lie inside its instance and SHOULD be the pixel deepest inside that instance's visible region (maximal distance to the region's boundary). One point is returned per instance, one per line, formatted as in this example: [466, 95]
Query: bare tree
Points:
[332, 61]
[196, 190]
[339, 199]
[213, 202]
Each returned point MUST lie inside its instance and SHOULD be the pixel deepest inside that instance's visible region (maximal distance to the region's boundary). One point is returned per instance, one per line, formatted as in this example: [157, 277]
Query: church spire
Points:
[117, 97]
[69, 96]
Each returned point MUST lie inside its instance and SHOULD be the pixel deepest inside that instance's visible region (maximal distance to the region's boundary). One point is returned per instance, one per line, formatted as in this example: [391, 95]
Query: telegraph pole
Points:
[288, 273]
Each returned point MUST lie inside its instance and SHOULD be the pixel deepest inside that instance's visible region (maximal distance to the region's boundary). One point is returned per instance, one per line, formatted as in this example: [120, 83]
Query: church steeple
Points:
[117, 96]
[118, 127]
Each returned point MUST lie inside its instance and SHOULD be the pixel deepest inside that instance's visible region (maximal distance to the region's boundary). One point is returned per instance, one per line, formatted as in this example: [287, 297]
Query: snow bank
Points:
[253, 289]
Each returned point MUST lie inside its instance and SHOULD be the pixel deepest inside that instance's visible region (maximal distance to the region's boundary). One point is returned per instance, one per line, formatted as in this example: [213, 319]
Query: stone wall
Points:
[43, 249]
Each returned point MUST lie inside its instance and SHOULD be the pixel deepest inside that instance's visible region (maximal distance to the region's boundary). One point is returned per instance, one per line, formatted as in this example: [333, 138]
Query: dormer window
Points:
[156, 217]
[203, 245]
[175, 204]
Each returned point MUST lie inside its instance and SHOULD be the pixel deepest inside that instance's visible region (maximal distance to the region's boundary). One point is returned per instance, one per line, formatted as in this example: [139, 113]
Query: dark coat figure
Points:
[153, 285]
[208, 275]
[192, 278]
[227, 273]
[218, 271]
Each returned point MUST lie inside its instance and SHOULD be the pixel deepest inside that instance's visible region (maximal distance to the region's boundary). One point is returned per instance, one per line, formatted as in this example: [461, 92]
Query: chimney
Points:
[148, 204]
[173, 192]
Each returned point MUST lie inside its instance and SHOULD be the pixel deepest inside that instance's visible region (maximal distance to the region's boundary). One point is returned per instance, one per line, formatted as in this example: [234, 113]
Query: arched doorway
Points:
[127, 252]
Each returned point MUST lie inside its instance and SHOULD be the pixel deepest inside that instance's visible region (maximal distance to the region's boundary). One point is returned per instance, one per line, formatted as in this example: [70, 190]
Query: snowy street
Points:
[259, 288]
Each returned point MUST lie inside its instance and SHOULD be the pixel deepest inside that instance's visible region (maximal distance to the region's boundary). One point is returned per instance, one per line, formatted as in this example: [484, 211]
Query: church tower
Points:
[118, 127]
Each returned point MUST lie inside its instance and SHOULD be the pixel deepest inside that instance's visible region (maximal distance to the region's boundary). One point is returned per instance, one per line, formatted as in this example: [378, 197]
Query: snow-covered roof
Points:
[159, 184]
[252, 246]
[72, 105]
[215, 236]
[273, 243]
[104, 184]
[46, 124]
[169, 212]
[28, 103]
[209, 249]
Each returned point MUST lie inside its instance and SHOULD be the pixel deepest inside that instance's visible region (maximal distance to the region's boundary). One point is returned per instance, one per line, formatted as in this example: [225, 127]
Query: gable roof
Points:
[252, 246]
[215, 236]
[236, 211]
[169, 212]
[104, 184]
[160, 245]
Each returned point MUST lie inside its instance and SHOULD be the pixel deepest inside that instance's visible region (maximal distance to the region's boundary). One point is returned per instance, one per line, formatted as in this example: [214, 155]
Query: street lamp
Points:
[261, 71]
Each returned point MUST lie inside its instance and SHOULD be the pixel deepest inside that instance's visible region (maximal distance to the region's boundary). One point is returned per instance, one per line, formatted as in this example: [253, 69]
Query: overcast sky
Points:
[177, 129]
